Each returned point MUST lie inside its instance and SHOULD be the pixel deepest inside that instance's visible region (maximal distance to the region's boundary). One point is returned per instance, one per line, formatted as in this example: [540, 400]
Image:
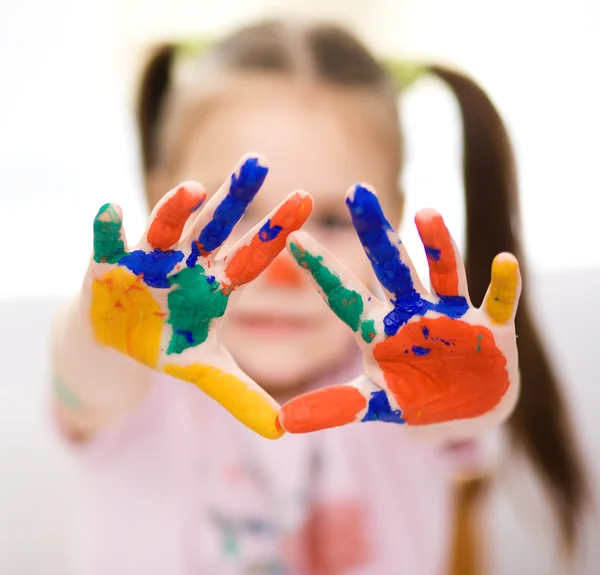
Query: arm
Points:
[93, 385]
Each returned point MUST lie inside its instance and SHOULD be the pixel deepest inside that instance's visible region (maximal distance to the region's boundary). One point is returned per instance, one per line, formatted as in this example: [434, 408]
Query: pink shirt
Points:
[182, 488]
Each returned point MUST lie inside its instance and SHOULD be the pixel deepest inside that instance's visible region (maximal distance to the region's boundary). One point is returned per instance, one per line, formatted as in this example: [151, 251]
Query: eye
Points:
[332, 221]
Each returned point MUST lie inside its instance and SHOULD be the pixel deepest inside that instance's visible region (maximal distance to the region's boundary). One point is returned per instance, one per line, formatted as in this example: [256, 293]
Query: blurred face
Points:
[320, 140]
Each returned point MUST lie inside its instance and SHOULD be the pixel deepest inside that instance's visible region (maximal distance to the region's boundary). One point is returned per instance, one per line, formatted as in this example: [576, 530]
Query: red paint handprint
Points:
[431, 360]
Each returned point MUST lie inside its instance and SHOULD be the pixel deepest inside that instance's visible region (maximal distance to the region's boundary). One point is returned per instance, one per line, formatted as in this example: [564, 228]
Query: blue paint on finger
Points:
[242, 189]
[153, 266]
[377, 237]
[380, 409]
[433, 253]
[268, 233]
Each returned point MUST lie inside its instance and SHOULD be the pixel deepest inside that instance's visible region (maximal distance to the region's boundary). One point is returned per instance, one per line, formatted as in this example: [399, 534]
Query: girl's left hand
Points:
[432, 360]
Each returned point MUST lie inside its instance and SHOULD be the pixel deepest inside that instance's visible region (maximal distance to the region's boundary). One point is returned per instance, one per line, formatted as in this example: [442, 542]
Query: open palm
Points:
[160, 302]
[431, 360]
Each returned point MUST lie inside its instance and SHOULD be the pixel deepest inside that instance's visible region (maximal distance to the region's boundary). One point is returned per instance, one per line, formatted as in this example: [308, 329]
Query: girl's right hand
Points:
[161, 301]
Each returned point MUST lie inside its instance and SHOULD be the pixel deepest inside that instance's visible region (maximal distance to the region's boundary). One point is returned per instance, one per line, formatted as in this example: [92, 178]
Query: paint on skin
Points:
[153, 266]
[502, 298]
[433, 253]
[126, 317]
[426, 390]
[252, 259]
[380, 409]
[65, 396]
[418, 350]
[321, 409]
[346, 304]
[374, 232]
[441, 258]
[268, 233]
[171, 217]
[193, 305]
[253, 408]
[367, 330]
[108, 245]
[242, 189]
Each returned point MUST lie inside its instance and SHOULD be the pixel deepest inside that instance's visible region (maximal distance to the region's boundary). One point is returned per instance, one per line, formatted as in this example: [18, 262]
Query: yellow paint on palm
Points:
[126, 317]
[247, 405]
[502, 296]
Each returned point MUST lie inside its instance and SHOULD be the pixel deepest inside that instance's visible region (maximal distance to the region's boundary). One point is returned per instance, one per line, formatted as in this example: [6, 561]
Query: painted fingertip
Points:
[358, 190]
[297, 239]
[328, 407]
[109, 213]
[427, 215]
[249, 175]
[501, 300]
[193, 190]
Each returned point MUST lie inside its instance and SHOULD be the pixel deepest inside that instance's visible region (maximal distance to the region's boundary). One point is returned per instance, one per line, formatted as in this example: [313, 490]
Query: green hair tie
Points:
[404, 73]
[192, 48]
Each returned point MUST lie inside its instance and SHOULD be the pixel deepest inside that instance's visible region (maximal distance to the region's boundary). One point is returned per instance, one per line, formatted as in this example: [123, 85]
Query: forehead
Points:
[317, 139]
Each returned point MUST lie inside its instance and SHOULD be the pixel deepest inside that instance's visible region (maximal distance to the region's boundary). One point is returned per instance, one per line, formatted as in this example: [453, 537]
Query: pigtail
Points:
[153, 88]
[540, 425]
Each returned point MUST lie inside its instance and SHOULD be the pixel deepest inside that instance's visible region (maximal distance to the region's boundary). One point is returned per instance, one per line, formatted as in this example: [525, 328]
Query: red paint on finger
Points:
[170, 219]
[443, 369]
[321, 409]
[440, 252]
[253, 258]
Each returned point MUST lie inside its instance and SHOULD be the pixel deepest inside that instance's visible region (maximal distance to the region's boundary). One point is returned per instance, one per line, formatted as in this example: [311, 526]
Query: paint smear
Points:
[126, 317]
[380, 409]
[108, 245]
[447, 383]
[345, 303]
[153, 266]
[249, 406]
[252, 259]
[502, 297]
[321, 409]
[436, 238]
[165, 231]
[193, 305]
[242, 189]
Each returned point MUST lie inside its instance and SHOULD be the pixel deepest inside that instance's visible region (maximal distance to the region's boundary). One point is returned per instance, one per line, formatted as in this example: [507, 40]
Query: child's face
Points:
[322, 141]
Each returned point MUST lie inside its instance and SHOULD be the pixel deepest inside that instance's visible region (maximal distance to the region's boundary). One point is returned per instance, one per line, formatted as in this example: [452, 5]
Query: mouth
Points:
[271, 324]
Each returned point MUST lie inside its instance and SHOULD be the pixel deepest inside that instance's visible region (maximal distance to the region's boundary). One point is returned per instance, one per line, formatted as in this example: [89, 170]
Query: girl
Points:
[174, 484]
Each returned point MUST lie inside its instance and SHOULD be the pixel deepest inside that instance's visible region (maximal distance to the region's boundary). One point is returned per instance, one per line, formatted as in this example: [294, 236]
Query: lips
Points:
[268, 323]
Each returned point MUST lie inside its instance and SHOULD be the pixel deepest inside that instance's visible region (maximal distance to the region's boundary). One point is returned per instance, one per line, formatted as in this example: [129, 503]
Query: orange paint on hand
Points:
[253, 258]
[452, 370]
[440, 252]
[170, 219]
[321, 409]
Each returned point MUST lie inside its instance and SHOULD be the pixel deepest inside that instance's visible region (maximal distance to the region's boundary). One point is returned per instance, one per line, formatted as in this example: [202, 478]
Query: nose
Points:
[284, 272]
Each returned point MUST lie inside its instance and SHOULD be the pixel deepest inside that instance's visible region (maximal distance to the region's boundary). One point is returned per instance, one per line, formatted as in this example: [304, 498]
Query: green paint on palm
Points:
[193, 304]
[108, 245]
[346, 304]
[65, 396]
[367, 330]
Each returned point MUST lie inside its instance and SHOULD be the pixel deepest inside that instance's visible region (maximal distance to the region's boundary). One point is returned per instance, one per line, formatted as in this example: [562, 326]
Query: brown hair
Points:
[540, 425]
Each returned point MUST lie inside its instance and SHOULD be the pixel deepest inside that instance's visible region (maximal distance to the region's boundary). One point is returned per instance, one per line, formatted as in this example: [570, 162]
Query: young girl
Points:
[172, 482]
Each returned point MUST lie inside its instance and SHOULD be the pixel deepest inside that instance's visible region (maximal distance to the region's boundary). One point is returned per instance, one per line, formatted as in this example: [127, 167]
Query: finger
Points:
[502, 297]
[224, 210]
[446, 268]
[358, 401]
[110, 244]
[387, 254]
[170, 215]
[259, 247]
[244, 399]
[344, 294]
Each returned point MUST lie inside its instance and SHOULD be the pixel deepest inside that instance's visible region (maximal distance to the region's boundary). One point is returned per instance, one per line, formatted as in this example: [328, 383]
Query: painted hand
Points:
[432, 361]
[160, 302]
